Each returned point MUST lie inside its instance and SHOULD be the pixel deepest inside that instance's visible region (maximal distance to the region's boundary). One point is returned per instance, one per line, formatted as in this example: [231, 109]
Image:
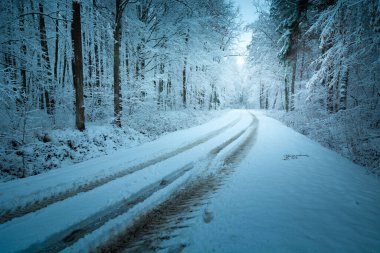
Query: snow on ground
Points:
[38, 226]
[353, 133]
[201, 166]
[44, 151]
[280, 201]
[288, 195]
[20, 192]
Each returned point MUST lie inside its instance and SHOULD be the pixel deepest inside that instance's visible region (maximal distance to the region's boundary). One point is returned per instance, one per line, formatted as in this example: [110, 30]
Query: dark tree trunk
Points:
[275, 101]
[56, 46]
[98, 99]
[330, 97]
[184, 89]
[336, 89]
[343, 89]
[286, 91]
[330, 89]
[65, 63]
[97, 67]
[116, 65]
[24, 91]
[184, 81]
[78, 67]
[292, 84]
[161, 102]
[127, 71]
[44, 45]
[46, 60]
[261, 100]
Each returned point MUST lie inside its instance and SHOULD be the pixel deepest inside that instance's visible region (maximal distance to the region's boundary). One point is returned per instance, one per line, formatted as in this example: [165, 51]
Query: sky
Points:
[248, 15]
[247, 10]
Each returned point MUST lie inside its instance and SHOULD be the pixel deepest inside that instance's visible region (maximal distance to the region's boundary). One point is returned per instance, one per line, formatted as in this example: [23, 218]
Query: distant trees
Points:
[66, 62]
[265, 67]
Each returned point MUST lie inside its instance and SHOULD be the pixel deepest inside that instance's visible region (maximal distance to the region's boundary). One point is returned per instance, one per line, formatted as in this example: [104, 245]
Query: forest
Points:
[67, 63]
[82, 75]
[329, 84]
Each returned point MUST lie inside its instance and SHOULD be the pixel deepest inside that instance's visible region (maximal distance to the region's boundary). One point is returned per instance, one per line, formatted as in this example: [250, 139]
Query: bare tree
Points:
[77, 66]
[120, 6]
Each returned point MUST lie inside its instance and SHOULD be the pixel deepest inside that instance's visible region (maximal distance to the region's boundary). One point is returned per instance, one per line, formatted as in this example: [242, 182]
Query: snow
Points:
[23, 191]
[46, 149]
[289, 194]
[319, 203]
[74, 210]
[355, 137]
[108, 230]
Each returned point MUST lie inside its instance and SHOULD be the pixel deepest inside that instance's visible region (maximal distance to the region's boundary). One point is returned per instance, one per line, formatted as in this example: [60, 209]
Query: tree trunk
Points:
[161, 101]
[127, 71]
[116, 65]
[261, 95]
[275, 101]
[184, 89]
[343, 89]
[24, 91]
[56, 46]
[336, 89]
[98, 99]
[330, 97]
[46, 60]
[286, 91]
[292, 84]
[77, 65]
[330, 90]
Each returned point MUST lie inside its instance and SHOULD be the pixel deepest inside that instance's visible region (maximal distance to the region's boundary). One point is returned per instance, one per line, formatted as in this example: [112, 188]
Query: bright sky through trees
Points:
[248, 14]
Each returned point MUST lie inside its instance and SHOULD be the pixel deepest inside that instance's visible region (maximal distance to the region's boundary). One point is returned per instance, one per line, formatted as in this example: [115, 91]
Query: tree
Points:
[120, 6]
[77, 67]
[264, 64]
[46, 95]
[289, 15]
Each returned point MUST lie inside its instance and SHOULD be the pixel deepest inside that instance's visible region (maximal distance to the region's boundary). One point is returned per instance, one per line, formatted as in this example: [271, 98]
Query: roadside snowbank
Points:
[351, 133]
[63, 147]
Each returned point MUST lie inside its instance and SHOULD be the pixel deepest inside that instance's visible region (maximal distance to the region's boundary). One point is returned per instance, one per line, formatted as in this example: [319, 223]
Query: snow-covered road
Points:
[240, 183]
[288, 195]
[55, 209]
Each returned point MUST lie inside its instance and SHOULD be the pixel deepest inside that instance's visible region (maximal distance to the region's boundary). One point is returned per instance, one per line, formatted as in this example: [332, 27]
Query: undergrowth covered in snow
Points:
[348, 132]
[46, 150]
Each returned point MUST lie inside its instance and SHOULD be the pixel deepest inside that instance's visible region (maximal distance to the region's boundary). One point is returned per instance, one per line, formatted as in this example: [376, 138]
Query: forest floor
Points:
[55, 148]
[242, 182]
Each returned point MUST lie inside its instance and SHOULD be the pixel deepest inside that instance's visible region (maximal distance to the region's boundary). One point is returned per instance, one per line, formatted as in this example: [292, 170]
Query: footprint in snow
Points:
[177, 248]
[207, 216]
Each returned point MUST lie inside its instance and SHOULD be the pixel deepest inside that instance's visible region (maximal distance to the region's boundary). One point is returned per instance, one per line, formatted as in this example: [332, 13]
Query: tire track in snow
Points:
[74, 233]
[68, 237]
[37, 205]
[160, 223]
